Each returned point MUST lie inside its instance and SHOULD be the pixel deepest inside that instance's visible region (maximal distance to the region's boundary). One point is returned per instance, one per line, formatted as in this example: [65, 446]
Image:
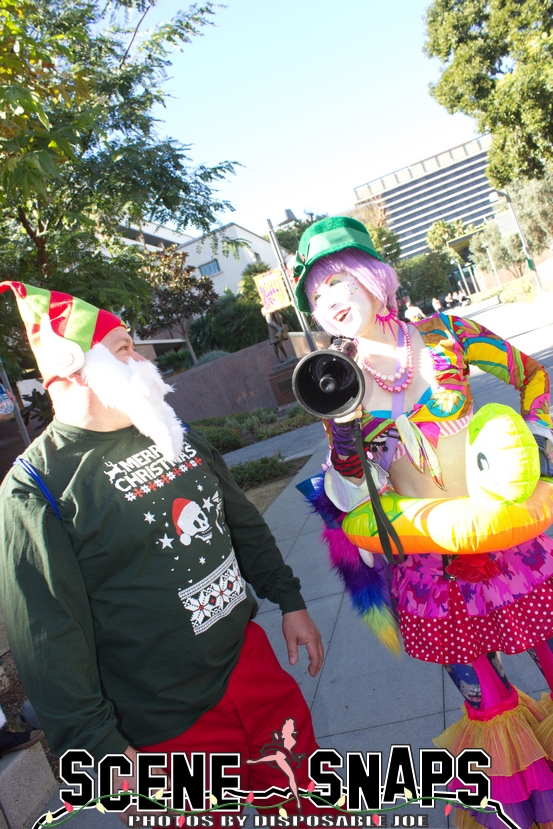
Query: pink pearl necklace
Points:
[405, 369]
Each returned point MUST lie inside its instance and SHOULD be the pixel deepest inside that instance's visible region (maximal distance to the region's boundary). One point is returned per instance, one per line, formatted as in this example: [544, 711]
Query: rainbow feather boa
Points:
[368, 587]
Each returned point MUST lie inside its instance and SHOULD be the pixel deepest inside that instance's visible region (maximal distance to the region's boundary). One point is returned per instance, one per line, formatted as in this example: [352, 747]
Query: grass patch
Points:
[254, 473]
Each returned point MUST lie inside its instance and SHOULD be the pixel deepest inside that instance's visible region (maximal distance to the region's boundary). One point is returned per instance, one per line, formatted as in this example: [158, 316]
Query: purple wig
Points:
[377, 277]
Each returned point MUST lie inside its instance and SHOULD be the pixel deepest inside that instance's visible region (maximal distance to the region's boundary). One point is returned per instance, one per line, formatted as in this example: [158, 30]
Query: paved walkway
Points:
[364, 699]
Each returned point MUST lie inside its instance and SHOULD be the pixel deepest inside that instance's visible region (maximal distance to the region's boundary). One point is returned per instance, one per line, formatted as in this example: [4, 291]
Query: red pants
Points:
[260, 696]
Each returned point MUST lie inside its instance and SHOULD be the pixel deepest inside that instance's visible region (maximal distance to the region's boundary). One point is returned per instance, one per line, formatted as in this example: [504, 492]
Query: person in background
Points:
[437, 305]
[17, 736]
[463, 298]
[412, 312]
[14, 736]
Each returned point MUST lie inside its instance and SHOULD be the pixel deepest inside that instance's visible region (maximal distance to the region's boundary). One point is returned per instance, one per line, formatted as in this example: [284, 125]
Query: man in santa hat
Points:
[126, 552]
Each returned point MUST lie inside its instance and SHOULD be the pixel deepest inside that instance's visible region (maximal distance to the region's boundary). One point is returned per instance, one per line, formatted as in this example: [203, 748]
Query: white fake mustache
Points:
[137, 389]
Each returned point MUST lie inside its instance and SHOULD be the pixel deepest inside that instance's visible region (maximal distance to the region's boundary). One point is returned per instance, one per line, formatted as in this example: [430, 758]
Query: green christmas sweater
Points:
[127, 617]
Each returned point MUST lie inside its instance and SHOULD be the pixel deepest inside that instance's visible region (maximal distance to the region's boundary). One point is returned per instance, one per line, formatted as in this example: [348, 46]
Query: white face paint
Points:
[344, 307]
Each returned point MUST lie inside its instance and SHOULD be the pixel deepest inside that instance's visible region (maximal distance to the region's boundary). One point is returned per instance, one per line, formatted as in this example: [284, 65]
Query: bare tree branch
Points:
[138, 25]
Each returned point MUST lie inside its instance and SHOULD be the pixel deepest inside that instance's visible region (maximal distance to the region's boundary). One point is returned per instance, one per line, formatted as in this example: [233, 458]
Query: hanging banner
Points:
[272, 290]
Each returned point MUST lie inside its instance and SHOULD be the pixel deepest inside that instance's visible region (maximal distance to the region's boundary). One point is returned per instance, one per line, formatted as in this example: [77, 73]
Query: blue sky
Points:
[312, 97]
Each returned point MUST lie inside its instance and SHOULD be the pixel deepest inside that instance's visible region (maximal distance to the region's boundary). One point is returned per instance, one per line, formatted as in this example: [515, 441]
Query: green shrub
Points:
[294, 410]
[263, 433]
[255, 473]
[251, 424]
[265, 415]
[233, 423]
[210, 356]
[223, 439]
[40, 408]
[481, 296]
[259, 424]
[174, 360]
[220, 420]
[519, 290]
[303, 418]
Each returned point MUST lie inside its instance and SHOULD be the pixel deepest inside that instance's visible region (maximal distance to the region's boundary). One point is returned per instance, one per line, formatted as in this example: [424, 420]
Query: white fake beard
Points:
[137, 389]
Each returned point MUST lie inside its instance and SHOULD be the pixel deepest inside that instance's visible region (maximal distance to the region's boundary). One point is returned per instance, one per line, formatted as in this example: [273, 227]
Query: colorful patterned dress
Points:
[452, 621]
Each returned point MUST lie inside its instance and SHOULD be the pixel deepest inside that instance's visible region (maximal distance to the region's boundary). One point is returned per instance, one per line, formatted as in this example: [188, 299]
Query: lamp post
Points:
[525, 247]
[492, 263]
[472, 271]
[282, 266]
[459, 268]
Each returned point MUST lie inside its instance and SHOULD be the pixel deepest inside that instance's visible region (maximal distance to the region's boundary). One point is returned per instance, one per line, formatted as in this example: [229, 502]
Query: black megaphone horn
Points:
[328, 384]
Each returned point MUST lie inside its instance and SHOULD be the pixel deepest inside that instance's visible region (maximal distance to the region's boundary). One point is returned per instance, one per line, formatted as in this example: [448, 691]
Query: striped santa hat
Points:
[60, 327]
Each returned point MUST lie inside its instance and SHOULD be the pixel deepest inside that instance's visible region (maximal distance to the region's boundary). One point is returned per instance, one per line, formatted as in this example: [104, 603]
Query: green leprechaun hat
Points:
[323, 238]
[60, 327]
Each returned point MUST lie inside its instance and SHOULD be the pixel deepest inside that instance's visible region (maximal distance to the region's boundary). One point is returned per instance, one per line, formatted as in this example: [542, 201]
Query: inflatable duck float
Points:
[507, 503]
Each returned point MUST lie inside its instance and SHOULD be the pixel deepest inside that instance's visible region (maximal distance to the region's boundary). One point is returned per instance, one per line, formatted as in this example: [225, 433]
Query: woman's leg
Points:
[467, 682]
[505, 723]
[542, 654]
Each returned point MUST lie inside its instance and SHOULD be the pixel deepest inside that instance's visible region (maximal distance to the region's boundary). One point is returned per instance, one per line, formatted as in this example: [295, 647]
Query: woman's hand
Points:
[545, 448]
[349, 418]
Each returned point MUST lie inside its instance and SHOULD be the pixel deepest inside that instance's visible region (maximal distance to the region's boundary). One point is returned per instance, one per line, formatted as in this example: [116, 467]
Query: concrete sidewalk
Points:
[365, 699]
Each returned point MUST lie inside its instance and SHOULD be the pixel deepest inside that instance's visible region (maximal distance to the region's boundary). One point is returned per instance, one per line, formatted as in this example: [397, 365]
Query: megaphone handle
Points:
[386, 531]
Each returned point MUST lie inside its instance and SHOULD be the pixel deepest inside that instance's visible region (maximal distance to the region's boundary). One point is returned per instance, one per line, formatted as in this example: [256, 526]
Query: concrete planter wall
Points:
[239, 382]
[236, 383]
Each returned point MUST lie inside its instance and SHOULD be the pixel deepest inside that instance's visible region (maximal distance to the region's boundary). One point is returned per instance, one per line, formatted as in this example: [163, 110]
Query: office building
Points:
[450, 185]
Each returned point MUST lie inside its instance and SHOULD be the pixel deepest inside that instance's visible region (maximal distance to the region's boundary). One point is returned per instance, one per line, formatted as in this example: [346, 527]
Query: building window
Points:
[210, 268]
[256, 256]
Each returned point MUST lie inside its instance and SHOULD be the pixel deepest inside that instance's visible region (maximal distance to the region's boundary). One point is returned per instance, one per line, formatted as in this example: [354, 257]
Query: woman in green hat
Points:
[413, 418]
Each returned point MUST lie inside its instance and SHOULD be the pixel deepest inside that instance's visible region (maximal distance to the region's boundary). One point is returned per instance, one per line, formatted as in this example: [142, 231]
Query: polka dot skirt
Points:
[460, 638]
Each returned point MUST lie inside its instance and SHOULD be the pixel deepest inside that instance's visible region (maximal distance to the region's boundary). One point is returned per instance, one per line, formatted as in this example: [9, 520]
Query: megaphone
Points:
[328, 384]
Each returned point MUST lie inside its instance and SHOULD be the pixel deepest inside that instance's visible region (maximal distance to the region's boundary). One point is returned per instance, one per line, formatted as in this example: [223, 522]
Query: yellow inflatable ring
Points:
[507, 503]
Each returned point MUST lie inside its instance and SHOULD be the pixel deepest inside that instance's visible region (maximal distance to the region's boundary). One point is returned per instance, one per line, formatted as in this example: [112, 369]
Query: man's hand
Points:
[299, 629]
[118, 782]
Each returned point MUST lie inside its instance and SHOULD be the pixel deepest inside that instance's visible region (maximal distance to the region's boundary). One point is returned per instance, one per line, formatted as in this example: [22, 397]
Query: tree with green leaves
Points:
[81, 153]
[442, 232]
[533, 201]
[497, 63]
[178, 295]
[505, 251]
[386, 243]
[238, 323]
[424, 276]
[33, 77]
[289, 236]
[248, 288]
